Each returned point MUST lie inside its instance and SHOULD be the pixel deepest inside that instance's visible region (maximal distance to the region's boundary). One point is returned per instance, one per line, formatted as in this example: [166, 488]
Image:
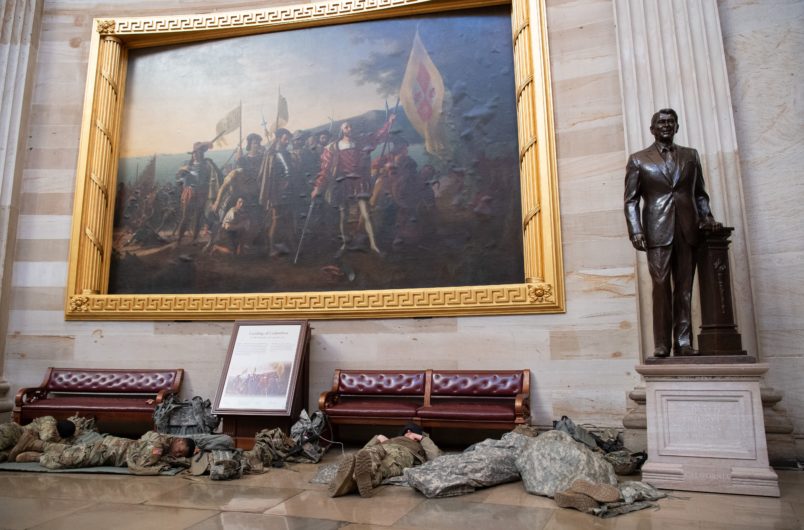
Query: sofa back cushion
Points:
[112, 380]
[382, 382]
[481, 383]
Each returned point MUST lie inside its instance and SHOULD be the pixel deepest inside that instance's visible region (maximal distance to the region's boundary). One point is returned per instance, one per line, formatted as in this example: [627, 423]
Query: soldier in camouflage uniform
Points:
[382, 458]
[45, 428]
[149, 455]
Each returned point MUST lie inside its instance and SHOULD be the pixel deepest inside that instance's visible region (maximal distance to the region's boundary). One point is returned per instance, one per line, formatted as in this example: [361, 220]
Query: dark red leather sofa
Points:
[473, 399]
[122, 401]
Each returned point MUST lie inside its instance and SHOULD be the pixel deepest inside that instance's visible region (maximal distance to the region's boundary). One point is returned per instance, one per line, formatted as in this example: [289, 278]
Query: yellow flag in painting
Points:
[422, 97]
[229, 123]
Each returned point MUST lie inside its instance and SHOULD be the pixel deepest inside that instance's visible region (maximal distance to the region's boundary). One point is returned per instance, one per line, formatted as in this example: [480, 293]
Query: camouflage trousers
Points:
[9, 435]
[387, 460]
[110, 451]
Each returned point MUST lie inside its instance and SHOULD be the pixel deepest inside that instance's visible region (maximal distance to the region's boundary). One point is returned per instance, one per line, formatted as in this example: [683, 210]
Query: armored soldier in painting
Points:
[668, 179]
[199, 178]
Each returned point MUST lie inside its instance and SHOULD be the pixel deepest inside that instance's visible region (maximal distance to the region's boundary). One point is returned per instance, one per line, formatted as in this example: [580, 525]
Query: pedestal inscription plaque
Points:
[706, 430]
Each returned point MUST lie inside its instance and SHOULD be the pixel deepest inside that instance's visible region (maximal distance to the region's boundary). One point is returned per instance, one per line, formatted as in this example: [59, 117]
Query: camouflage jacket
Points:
[44, 428]
[151, 454]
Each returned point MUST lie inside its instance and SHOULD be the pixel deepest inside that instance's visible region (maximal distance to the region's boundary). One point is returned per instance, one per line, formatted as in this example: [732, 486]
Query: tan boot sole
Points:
[599, 492]
[579, 501]
[363, 474]
[343, 482]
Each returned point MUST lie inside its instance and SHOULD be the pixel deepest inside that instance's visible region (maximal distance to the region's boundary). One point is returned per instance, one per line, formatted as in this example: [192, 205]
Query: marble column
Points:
[19, 39]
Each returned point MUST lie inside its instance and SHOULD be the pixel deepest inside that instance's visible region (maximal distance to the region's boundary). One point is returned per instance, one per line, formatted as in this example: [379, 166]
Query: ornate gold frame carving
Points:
[90, 248]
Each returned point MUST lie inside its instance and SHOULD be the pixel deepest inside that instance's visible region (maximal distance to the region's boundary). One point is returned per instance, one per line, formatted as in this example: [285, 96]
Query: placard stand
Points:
[264, 383]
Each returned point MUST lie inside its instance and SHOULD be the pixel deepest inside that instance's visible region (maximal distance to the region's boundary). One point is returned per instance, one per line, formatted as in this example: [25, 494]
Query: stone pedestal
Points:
[706, 430]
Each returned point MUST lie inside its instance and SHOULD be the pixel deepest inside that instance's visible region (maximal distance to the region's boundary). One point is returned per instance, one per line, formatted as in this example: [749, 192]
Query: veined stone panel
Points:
[764, 44]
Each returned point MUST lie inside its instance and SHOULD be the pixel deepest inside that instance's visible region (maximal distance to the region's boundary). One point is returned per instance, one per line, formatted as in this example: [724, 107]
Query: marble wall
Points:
[764, 45]
[582, 361]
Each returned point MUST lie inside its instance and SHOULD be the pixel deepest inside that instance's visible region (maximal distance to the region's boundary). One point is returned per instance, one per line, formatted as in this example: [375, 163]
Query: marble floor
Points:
[285, 499]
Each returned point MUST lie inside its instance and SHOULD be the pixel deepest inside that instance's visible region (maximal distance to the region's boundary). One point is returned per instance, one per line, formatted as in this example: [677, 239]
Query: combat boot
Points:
[27, 442]
[579, 501]
[363, 474]
[343, 482]
[598, 491]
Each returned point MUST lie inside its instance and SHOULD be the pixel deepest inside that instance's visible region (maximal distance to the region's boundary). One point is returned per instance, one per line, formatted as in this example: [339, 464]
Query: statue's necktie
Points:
[669, 160]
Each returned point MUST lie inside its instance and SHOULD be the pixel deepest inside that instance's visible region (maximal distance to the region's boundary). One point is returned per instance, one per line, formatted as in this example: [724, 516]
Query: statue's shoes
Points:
[661, 352]
[685, 351]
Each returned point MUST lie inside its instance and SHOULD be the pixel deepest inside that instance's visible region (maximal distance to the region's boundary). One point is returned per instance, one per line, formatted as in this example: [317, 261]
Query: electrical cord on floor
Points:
[326, 418]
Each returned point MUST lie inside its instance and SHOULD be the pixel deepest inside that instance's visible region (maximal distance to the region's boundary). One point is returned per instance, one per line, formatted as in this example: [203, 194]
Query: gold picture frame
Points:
[542, 290]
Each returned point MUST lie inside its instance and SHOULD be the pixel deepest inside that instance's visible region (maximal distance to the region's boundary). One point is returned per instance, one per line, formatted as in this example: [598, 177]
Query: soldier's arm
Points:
[47, 430]
[430, 448]
[376, 439]
[323, 174]
[144, 457]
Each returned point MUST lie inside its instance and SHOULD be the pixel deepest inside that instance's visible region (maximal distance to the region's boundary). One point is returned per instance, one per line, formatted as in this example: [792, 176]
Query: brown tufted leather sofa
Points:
[483, 399]
[121, 401]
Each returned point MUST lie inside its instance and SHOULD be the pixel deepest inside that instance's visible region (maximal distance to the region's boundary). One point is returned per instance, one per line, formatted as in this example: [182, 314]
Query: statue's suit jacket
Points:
[668, 197]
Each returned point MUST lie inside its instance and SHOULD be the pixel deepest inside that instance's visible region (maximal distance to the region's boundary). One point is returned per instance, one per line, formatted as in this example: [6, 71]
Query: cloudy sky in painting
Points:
[176, 95]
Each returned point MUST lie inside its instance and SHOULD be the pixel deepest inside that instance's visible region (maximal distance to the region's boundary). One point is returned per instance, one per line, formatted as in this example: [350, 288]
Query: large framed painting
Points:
[372, 158]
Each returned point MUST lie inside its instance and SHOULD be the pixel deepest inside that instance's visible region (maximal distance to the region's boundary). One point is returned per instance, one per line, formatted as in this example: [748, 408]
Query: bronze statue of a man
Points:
[668, 179]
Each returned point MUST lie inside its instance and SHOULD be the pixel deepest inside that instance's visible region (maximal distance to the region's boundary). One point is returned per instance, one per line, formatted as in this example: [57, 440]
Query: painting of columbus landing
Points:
[365, 156]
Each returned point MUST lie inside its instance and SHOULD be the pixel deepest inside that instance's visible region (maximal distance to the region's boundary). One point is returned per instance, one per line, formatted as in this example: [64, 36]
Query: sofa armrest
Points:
[162, 394]
[327, 398]
[27, 395]
[522, 406]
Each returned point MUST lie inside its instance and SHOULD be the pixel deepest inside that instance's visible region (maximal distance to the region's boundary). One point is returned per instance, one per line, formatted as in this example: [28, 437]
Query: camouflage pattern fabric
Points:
[625, 462]
[110, 451]
[44, 428]
[194, 416]
[391, 458]
[150, 455]
[146, 456]
[82, 425]
[305, 433]
[553, 460]
[272, 446]
[636, 496]
[481, 465]
[226, 465]
[579, 434]
[9, 435]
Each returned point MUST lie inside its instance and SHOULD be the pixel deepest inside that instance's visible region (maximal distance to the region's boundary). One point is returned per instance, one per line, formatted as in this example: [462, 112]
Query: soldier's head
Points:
[299, 137]
[182, 447]
[253, 140]
[324, 137]
[283, 137]
[664, 125]
[65, 428]
[412, 431]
